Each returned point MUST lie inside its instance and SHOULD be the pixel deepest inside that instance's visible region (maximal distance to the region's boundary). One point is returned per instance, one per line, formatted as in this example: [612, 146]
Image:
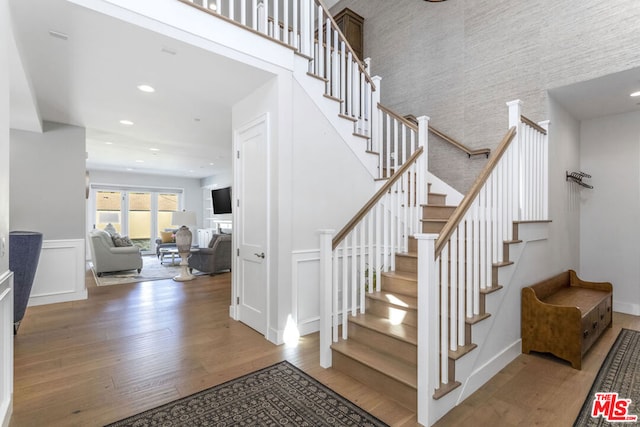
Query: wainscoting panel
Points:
[306, 290]
[60, 273]
[6, 347]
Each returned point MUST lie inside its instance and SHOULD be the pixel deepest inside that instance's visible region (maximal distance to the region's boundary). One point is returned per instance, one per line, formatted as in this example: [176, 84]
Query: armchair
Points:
[215, 258]
[107, 257]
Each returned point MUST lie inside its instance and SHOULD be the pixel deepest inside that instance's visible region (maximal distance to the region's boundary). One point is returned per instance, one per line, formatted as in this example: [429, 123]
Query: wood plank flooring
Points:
[128, 348]
[132, 347]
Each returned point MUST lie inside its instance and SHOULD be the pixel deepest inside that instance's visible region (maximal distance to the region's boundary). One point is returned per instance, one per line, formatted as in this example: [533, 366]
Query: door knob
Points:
[260, 255]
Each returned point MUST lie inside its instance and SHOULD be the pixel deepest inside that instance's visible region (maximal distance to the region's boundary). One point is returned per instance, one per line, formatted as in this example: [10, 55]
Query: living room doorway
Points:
[141, 214]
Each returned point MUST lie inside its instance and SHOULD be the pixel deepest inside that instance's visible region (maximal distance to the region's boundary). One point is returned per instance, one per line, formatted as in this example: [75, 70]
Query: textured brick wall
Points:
[459, 61]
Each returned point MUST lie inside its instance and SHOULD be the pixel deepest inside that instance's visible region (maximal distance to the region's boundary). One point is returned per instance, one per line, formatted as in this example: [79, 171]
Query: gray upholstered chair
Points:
[107, 257]
[215, 258]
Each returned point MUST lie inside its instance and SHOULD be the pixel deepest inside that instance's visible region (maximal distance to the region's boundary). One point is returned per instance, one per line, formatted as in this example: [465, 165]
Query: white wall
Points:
[610, 213]
[6, 295]
[48, 181]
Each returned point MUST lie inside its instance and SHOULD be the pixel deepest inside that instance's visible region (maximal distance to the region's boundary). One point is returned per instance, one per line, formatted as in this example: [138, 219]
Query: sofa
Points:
[215, 258]
[107, 257]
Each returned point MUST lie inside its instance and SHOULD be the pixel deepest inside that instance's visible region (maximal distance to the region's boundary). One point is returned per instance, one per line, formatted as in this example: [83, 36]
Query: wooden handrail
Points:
[334, 24]
[374, 199]
[470, 152]
[407, 122]
[533, 124]
[464, 206]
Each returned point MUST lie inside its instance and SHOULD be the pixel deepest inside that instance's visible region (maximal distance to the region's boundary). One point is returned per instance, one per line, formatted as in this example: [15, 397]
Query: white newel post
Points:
[326, 286]
[545, 170]
[517, 180]
[423, 167]
[428, 325]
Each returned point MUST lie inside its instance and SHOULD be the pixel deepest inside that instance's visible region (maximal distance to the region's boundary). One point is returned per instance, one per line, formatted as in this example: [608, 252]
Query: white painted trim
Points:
[60, 274]
[487, 371]
[6, 348]
[626, 307]
[237, 174]
[307, 324]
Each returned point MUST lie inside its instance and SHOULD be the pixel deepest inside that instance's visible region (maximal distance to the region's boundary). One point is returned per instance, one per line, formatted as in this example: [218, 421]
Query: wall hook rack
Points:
[577, 178]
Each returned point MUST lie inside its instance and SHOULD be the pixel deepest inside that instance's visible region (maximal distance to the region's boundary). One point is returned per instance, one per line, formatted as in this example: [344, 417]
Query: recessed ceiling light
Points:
[154, 149]
[129, 169]
[634, 94]
[211, 164]
[146, 88]
[139, 161]
[126, 122]
[109, 143]
[58, 35]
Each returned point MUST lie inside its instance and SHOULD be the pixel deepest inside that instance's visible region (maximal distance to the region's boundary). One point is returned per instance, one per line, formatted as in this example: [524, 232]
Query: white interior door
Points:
[252, 219]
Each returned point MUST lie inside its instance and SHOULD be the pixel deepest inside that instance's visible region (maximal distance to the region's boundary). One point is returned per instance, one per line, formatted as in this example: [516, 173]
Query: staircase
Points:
[386, 262]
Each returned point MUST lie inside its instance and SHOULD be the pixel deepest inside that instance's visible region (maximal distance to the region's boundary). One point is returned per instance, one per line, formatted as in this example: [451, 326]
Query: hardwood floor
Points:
[132, 347]
[128, 348]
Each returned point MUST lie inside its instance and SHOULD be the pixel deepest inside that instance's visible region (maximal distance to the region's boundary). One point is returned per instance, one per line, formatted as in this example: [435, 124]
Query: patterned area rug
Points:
[279, 395]
[619, 373]
[151, 270]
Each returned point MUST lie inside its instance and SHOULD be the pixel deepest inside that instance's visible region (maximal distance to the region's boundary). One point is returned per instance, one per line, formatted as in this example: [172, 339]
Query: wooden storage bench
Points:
[564, 316]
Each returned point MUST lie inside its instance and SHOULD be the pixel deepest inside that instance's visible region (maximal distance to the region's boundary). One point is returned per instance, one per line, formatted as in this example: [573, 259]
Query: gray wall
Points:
[47, 181]
[190, 186]
[460, 61]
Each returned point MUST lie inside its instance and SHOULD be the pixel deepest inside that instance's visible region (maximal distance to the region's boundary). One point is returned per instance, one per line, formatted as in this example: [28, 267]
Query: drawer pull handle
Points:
[595, 325]
[585, 333]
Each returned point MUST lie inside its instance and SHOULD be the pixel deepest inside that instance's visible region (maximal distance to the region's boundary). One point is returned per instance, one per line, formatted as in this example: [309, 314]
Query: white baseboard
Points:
[487, 371]
[60, 274]
[626, 307]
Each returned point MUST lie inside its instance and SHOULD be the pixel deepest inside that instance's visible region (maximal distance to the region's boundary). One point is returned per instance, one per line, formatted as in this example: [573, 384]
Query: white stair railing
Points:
[454, 267]
[351, 261]
[308, 27]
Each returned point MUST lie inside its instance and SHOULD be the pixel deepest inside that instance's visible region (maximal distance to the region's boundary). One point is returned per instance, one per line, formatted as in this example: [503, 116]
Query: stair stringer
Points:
[477, 367]
[330, 108]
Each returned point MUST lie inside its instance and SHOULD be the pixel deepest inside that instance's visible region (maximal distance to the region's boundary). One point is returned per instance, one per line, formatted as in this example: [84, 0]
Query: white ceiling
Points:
[602, 96]
[90, 80]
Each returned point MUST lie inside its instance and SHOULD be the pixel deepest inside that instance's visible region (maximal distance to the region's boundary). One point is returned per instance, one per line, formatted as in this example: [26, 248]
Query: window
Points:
[135, 212]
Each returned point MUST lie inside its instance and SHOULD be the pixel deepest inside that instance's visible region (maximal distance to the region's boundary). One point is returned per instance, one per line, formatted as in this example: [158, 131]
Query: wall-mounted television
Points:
[221, 200]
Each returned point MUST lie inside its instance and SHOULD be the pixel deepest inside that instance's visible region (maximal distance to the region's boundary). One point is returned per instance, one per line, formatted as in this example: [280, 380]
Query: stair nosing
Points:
[358, 320]
[342, 347]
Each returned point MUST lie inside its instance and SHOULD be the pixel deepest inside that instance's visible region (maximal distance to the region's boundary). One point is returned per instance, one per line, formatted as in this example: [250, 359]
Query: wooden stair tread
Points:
[401, 275]
[491, 289]
[445, 389]
[350, 118]
[426, 205]
[407, 254]
[315, 76]
[434, 220]
[402, 332]
[477, 318]
[385, 364]
[502, 263]
[398, 300]
[360, 135]
[461, 351]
